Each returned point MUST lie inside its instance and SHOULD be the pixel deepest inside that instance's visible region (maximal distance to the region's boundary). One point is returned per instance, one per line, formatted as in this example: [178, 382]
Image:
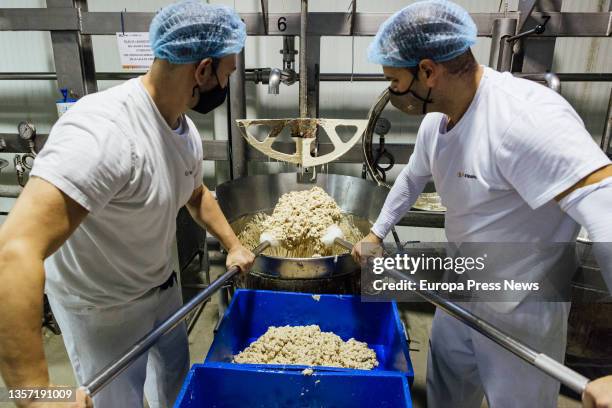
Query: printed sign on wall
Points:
[134, 50]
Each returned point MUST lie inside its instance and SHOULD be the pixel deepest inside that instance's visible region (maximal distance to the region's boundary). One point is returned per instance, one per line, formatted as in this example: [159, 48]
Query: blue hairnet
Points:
[436, 29]
[189, 31]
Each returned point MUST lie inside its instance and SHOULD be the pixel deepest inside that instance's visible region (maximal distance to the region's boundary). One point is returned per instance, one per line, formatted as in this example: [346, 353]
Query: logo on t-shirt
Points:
[462, 174]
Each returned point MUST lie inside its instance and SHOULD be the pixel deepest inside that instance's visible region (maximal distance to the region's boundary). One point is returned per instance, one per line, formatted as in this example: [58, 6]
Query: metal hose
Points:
[368, 134]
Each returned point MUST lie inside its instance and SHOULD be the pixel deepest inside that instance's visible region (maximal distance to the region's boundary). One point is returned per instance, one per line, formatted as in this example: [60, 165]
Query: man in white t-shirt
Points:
[100, 211]
[512, 163]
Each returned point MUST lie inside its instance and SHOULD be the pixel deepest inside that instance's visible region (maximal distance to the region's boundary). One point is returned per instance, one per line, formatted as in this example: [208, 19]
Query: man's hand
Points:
[241, 257]
[598, 393]
[368, 247]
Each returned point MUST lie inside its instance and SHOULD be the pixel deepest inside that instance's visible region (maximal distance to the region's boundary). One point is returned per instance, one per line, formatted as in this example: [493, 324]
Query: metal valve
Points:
[539, 29]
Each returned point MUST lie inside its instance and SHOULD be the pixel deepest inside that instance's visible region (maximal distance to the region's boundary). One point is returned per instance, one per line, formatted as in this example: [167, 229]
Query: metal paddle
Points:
[568, 377]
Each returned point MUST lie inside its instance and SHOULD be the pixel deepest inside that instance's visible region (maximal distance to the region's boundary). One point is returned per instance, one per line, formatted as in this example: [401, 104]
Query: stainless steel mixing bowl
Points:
[242, 198]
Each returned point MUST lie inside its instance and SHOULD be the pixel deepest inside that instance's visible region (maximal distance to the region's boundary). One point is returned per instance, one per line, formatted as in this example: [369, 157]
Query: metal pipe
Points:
[110, 372]
[328, 77]
[606, 138]
[347, 77]
[237, 104]
[541, 77]
[553, 81]
[274, 81]
[117, 76]
[303, 61]
[27, 76]
[568, 77]
[10, 191]
[501, 50]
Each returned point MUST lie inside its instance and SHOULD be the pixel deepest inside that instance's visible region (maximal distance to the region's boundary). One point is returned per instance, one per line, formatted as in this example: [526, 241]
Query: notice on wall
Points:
[135, 50]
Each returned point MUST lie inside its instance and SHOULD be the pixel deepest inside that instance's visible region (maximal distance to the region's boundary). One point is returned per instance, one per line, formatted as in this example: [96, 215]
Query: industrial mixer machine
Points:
[359, 199]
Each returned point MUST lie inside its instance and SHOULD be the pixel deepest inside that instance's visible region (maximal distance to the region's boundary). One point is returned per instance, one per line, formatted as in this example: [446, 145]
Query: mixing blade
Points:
[303, 134]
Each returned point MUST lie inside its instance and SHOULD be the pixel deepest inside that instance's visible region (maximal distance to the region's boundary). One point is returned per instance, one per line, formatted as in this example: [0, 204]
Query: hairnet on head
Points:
[435, 29]
[189, 31]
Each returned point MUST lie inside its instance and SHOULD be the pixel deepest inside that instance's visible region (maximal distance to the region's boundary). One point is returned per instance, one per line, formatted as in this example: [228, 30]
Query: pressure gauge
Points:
[26, 130]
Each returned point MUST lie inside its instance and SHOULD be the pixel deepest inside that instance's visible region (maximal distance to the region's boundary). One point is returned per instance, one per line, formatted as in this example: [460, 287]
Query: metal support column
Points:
[310, 54]
[501, 50]
[312, 72]
[303, 95]
[237, 102]
[537, 53]
[73, 55]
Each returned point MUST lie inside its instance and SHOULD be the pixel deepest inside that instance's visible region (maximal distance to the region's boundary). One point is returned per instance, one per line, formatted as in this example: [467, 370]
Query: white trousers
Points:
[95, 337]
[464, 366]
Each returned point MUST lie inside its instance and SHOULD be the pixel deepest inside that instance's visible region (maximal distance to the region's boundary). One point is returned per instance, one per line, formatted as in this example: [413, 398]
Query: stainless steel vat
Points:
[241, 198]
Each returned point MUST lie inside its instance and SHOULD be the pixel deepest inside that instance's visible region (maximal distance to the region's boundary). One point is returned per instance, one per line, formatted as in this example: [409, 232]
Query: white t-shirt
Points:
[115, 155]
[498, 169]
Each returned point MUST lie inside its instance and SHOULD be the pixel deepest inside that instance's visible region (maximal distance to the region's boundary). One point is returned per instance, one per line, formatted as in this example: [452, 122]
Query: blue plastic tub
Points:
[251, 312]
[222, 386]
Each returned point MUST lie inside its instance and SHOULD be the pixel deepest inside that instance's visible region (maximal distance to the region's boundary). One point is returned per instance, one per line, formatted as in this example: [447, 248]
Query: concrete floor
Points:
[417, 317]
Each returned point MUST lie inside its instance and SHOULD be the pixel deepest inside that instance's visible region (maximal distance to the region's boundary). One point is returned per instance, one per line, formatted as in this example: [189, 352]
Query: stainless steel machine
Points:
[244, 197]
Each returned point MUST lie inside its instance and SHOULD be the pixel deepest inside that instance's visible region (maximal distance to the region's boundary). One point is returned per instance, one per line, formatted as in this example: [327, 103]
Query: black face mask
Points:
[213, 98]
[407, 100]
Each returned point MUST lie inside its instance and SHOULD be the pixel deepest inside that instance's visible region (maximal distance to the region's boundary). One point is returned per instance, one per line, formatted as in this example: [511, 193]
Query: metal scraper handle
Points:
[553, 368]
[111, 371]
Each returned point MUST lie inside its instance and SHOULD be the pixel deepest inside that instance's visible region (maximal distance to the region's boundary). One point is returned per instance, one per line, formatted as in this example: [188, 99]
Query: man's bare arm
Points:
[206, 211]
[40, 222]
[594, 177]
